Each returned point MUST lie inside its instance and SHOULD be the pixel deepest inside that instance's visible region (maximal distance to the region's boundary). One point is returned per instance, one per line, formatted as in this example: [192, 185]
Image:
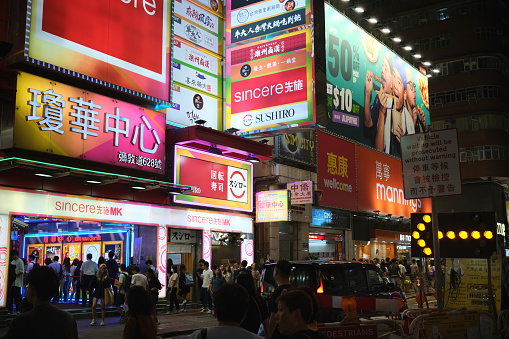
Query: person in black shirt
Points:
[243, 269]
[257, 312]
[153, 288]
[112, 266]
[295, 312]
[282, 273]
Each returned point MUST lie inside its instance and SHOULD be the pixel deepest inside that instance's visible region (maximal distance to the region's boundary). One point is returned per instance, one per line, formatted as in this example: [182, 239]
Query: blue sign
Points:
[330, 219]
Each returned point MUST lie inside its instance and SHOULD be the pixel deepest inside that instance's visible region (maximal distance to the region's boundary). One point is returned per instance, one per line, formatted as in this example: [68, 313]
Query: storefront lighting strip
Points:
[35, 162]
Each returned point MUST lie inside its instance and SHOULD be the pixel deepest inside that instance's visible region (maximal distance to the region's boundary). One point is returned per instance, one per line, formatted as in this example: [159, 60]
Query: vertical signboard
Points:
[162, 248]
[269, 83]
[65, 120]
[366, 80]
[251, 19]
[336, 172]
[301, 192]
[97, 38]
[272, 206]
[380, 185]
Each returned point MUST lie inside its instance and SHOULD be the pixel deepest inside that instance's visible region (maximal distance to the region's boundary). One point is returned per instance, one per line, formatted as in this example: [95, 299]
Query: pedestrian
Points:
[31, 264]
[154, 285]
[76, 284]
[112, 267]
[74, 266]
[256, 276]
[227, 273]
[124, 283]
[257, 312]
[100, 261]
[395, 273]
[99, 284]
[431, 273]
[141, 322]
[57, 267]
[67, 277]
[282, 273]
[88, 271]
[231, 302]
[138, 279]
[171, 291]
[295, 312]
[184, 288]
[16, 271]
[242, 269]
[206, 289]
[218, 281]
[44, 321]
[152, 267]
[199, 280]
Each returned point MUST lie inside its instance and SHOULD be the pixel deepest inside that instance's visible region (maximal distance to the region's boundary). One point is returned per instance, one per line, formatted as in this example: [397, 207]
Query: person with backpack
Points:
[124, 283]
[57, 267]
[173, 285]
[186, 281]
[395, 272]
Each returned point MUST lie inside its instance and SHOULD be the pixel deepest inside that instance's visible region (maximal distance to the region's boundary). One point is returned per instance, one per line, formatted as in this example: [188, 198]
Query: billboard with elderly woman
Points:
[373, 96]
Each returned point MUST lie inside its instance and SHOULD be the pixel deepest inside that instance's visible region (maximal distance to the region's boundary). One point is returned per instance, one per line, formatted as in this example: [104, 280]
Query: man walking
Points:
[18, 281]
[88, 271]
[206, 288]
[57, 268]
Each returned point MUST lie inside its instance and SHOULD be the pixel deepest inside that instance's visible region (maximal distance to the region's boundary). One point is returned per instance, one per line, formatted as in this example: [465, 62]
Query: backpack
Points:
[189, 281]
[394, 271]
[127, 282]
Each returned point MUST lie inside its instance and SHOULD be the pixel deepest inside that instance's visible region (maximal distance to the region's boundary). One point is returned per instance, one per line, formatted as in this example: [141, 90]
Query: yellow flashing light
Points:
[451, 235]
[427, 251]
[476, 234]
[463, 235]
[416, 235]
[440, 234]
[421, 242]
[488, 234]
[421, 227]
[426, 218]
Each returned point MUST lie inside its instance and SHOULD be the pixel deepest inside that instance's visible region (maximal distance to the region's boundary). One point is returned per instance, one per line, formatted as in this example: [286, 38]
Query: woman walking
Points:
[153, 288]
[141, 318]
[67, 278]
[172, 289]
[100, 282]
[184, 289]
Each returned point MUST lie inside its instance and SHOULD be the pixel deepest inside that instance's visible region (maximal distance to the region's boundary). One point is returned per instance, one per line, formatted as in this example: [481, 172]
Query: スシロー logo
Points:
[247, 120]
[237, 184]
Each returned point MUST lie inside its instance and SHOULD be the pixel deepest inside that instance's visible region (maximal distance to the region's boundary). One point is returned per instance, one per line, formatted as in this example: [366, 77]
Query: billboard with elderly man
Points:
[373, 96]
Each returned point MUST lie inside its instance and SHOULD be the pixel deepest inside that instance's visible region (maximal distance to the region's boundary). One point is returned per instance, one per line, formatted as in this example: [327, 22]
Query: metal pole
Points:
[436, 246]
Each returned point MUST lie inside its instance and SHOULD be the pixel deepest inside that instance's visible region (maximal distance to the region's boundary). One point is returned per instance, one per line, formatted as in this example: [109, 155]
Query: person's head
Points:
[48, 262]
[31, 257]
[67, 264]
[89, 256]
[149, 273]
[14, 254]
[244, 263]
[387, 73]
[413, 261]
[283, 270]
[102, 270]
[111, 254]
[247, 281]
[149, 263]
[122, 268]
[399, 81]
[411, 95]
[42, 284]
[75, 262]
[254, 267]
[169, 263]
[183, 269]
[100, 261]
[231, 302]
[174, 268]
[135, 269]
[56, 258]
[217, 272]
[206, 265]
[295, 310]
[139, 301]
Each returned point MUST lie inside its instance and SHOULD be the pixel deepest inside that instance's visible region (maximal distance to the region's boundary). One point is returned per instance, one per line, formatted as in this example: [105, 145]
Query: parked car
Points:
[328, 279]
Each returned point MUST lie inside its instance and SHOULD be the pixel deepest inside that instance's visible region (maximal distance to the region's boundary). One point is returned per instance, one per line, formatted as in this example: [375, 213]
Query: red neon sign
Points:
[316, 236]
[55, 239]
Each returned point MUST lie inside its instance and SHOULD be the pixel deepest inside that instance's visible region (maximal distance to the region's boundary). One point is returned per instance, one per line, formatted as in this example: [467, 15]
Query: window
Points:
[442, 14]
[356, 280]
[301, 277]
[376, 282]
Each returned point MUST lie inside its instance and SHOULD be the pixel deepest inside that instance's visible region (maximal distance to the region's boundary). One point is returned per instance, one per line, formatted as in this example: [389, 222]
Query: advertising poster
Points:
[457, 326]
[336, 172]
[250, 19]
[116, 248]
[300, 147]
[67, 121]
[190, 105]
[93, 248]
[269, 83]
[38, 251]
[97, 38]
[219, 181]
[364, 80]
[466, 283]
[198, 25]
[73, 251]
[272, 206]
[196, 68]
[53, 250]
[380, 185]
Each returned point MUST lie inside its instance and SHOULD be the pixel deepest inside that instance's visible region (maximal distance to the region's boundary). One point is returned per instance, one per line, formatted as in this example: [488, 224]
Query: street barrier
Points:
[503, 324]
[369, 329]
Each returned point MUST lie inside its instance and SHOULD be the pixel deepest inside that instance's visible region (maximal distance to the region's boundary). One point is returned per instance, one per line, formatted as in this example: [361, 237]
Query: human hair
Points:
[298, 299]
[75, 262]
[111, 254]
[14, 253]
[247, 281]
[31, 257]
[206, 264]
[100, 276]
[48, 261]
[413, 261]
[56, 258]
[148, 262]
[100, 261]
[67, 264]
[175, 268]
[244, 263]
[122, 267]
[231, 301]
[201, 261]
[149, 271]
[284, 268]
[89, 256]
[139, 301]
[169, 262]
[44, 281]
[135, 269]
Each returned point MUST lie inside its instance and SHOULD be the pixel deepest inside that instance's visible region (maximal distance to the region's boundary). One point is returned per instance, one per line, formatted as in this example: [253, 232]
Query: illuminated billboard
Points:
[63, 120]
[272, 206]
[255, 18]
[366, 80]
[269, 83]
[218, 181]
[98, 38]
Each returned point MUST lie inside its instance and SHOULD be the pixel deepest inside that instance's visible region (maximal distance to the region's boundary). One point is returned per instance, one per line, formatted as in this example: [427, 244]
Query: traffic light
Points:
[422, 235]
[467, 234]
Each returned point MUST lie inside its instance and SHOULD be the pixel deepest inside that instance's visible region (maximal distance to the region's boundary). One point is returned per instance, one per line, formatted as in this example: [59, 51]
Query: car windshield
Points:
[341, 280]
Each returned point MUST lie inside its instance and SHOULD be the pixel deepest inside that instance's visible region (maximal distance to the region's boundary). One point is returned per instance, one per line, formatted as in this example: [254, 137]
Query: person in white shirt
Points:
[31, 263]
[206, 288]
[15, 294]
[88, 271]
[139, 279]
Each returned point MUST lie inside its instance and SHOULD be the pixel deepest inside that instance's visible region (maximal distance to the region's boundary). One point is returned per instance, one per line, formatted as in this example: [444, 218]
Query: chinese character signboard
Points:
[431, 166]
[255, 18]
[64, 120]
[336, 172]
[219, 181]
[362, 74]
[301, 192]
[182, 236]
[269, 83]
[380, 185]
[272, 206]
[97, 38]
[300, 147]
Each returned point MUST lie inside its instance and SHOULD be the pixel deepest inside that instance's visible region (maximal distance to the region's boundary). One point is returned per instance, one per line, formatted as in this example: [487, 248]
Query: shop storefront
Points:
[327, 234]
[384, 244]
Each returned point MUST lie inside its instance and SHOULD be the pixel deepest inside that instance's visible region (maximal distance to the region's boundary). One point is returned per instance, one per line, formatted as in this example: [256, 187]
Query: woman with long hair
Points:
[184, 289]
[74, 265]
[100, 282]
[257, 312]
[227, 273]
[173, 286]
[154, 285]
[67, 278]
[141, 318]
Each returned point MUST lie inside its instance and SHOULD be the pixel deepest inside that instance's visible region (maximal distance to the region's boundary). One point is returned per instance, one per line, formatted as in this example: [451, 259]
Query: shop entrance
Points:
[226, 246]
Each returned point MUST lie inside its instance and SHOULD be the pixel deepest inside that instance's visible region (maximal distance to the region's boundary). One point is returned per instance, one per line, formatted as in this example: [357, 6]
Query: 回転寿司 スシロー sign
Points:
[218, 181]
[273, 206]
[255, 18]
[125, 43]
[364, 78]
[269, 83]
[64, 120]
